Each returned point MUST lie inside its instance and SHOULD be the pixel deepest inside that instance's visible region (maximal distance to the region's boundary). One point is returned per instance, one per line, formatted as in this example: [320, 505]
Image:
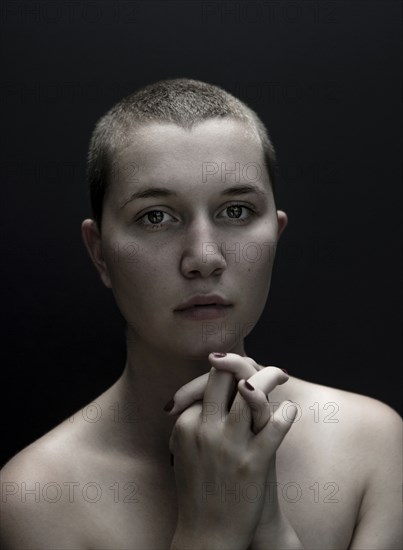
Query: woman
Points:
[184, 233]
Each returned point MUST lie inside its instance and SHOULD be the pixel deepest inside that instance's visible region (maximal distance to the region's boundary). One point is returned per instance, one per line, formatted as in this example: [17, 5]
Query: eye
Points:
[153, 218]
[235, 211]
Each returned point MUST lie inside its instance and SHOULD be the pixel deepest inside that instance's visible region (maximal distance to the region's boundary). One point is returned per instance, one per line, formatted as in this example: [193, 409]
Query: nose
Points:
[202, 254]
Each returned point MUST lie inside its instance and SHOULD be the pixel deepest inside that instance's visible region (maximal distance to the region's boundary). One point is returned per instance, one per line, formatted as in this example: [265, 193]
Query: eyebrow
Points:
[161, 192]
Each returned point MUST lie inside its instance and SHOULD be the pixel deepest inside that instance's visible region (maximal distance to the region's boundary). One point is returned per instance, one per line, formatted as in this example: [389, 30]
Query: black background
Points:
[325, 78]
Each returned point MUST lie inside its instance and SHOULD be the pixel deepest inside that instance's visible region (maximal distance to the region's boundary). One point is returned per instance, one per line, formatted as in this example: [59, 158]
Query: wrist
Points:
[278, 533]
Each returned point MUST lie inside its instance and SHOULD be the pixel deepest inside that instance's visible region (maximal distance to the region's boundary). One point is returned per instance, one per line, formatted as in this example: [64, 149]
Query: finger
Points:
[219, 397]
[188, 394]
[258, 413]
[268, 440]
[268, 378]
[185, 424]
[258, 405]
[241, 367]
[194, 390]
[255, 393]
[216, 396]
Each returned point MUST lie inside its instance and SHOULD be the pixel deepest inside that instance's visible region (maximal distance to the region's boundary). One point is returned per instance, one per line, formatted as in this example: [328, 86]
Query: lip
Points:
[204, 313]
[204, 300]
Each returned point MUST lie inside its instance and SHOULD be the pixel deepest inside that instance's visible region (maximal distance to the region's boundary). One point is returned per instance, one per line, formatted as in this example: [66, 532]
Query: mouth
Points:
[204, 311]
[206, 305]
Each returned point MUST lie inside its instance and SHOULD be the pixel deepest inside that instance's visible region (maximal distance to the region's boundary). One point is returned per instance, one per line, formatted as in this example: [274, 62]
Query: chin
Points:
[200, 351]
[198, 341]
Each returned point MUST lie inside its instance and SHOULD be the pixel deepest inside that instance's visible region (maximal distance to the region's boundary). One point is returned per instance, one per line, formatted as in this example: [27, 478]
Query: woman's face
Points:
[206, 234]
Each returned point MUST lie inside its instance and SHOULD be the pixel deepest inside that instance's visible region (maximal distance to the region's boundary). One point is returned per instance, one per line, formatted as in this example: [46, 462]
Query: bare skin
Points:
[108, 470]
[330, 480]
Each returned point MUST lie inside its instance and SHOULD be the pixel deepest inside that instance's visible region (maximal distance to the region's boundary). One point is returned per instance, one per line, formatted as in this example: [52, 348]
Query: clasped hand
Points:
[224, 451]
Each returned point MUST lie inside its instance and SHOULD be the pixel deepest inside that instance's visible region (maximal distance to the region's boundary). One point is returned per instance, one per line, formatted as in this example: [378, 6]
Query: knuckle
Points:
[247, 466]
[276, 374]
[185, 423]
[253, 363]
[183, 396]
[277, 427]
[279, 372]
[204, 435]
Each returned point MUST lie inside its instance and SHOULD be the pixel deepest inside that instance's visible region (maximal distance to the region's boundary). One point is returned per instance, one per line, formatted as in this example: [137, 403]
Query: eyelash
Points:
[251, 211]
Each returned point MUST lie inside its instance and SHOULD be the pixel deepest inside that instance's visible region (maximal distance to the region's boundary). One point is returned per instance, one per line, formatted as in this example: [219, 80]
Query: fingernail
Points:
[218, 354]
[249, 386]
[284, 371]
[172, 459]
[169, 406]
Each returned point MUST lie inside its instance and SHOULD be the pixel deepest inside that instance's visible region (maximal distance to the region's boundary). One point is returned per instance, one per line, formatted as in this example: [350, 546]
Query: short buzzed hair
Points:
[182, 101]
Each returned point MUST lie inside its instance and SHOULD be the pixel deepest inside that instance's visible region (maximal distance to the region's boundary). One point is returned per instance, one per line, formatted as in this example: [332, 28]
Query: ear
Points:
[93, 243]
[282, 222]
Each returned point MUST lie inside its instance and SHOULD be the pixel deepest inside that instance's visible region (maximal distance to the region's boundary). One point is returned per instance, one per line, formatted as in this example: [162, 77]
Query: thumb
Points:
[188, 394]
[279, 424]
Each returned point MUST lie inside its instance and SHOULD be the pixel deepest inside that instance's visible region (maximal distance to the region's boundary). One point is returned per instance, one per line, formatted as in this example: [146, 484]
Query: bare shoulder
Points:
[357, 415]
[48, 455]
[366, 430]
[360, 435]
[360, 438]
[371, 432]
[70, 488]
[34, 494]
[355, 441]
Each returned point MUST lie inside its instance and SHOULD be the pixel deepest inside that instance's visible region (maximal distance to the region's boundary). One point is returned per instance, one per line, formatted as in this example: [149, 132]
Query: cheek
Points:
[257, 251]
[257, 257]
[135, 276]
[255, 270]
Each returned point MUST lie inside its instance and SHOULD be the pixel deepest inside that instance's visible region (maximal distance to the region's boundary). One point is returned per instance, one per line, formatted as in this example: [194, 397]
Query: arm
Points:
[28, 521]
[379, 522]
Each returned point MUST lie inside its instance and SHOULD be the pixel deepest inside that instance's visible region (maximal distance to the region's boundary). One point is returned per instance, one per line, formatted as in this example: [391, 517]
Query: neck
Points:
[149, 380]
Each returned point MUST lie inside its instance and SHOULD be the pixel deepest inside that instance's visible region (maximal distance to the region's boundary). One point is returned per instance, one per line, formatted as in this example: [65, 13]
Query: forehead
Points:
[168, 152]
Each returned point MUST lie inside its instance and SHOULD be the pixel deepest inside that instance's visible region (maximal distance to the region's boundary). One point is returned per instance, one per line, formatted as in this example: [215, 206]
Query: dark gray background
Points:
[325, 78]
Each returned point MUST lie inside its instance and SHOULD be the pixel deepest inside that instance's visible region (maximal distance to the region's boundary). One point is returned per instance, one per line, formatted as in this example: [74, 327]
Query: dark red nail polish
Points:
[172, 459]
[249, 386]
[219, 354]
[284, 371]
[169, 406]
